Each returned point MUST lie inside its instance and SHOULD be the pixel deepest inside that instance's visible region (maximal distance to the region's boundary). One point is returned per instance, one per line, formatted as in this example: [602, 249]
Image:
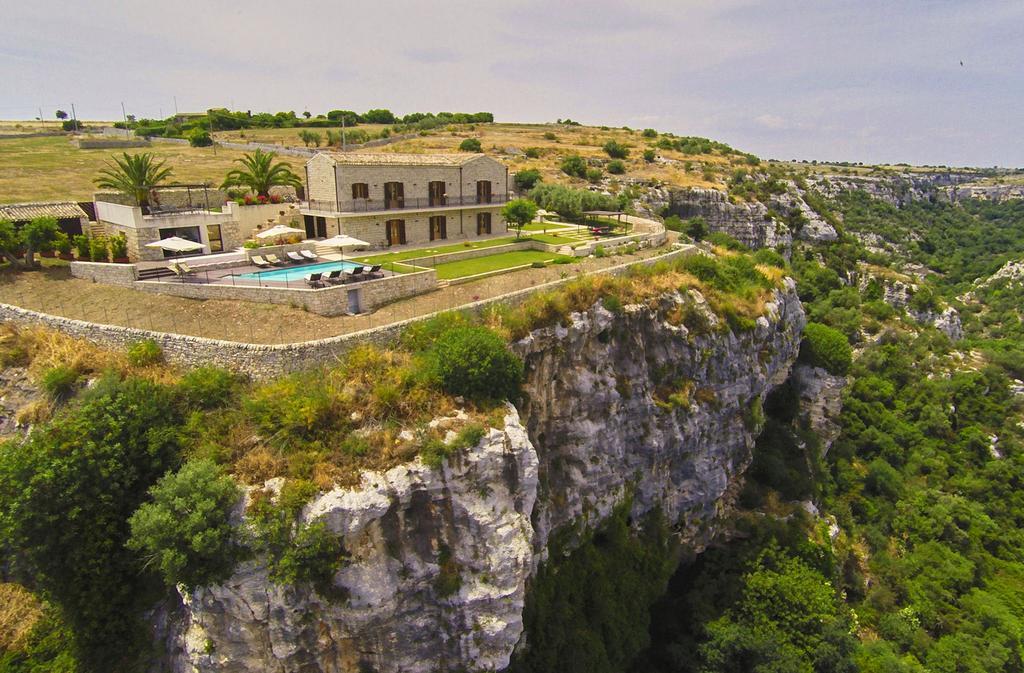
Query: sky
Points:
[868, 80]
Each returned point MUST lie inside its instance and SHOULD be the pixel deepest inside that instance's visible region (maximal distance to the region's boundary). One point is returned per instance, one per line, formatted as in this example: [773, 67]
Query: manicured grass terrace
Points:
[504, 260]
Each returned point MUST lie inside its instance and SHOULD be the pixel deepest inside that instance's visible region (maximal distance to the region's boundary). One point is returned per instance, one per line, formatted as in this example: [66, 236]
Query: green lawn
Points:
[429, 252]
[542, 226]
[560, 240]
[504, 260]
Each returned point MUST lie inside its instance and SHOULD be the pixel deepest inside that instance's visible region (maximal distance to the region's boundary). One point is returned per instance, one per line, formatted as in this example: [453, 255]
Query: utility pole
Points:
[342, 135]
[175, 106]
[41, 120]
[74, 117]
[124, 115]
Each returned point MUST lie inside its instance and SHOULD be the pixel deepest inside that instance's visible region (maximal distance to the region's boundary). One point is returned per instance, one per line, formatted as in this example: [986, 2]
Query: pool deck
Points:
[232, 275]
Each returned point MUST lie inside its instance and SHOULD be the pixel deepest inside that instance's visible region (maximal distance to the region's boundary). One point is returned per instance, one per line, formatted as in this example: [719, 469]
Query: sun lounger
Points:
[353, 275]
[295, 257]
[259, 261]
[308, 254]
[314, 279]
[274, 259]
[185, 269]
[374, 271]
[333, 276]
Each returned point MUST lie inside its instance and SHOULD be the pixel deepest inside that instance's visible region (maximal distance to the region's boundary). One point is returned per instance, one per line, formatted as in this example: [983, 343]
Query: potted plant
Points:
[63, 246]
[98, 249]
[81, 245]
[119, 249]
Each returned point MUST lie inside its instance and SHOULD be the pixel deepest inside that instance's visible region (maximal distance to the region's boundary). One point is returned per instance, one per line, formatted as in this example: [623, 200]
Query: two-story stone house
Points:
[397, 199]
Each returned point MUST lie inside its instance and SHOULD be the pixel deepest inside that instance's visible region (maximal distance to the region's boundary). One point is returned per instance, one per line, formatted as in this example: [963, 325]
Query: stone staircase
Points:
[96, 230]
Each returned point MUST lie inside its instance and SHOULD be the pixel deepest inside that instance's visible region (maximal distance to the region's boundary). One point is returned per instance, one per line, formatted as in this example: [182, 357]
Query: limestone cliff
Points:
[440, 559]
[748, 222]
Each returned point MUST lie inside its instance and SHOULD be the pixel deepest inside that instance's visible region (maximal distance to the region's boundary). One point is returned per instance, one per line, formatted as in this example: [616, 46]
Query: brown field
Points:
[43, 169]
[33, 169]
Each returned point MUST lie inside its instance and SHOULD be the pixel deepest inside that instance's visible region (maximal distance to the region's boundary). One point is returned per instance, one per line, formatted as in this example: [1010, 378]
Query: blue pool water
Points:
[291, 273]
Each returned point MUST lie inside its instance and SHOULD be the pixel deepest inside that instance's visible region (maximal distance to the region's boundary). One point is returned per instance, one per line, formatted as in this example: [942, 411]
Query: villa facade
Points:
[399, 199]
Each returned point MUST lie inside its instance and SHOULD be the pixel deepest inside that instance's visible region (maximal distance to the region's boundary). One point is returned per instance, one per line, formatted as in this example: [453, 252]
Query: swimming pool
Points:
[293, 273]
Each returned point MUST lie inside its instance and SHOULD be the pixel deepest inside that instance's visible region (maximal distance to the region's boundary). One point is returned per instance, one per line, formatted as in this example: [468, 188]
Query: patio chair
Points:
[314, 279]
[259, 261]
[295, 257]
[334, 276]
[275, 260]
[352, 275]
[374, 271]
[185, 269]
[308, 254]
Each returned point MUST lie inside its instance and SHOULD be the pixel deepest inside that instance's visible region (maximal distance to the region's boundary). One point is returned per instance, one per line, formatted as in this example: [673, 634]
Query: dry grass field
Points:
[50, 168]
[44, 169]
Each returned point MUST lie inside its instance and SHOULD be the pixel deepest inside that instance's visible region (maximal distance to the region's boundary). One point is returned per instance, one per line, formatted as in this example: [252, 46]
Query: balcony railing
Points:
[376, 205]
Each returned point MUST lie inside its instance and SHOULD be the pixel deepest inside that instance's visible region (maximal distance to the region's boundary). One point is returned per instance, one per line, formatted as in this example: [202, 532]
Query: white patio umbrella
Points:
[279, 230]
[176, 245]
[341, 241]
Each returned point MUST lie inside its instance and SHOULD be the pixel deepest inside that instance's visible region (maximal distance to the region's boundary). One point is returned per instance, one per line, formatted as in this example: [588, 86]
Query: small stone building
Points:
[397, 199]
[70, 216]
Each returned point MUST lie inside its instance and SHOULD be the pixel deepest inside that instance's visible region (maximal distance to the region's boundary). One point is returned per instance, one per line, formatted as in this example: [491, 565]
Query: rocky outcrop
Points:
[748, 222]
[821, 401]
[628, 404]
[814, 228]
[405, 530]
[898, 293]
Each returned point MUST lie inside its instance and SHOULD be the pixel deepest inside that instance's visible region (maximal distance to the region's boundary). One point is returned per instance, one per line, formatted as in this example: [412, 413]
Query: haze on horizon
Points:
[830, 80]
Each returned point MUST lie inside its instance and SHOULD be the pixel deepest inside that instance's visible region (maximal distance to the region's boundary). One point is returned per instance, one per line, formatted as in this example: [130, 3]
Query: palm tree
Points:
[260, 173]
[135, 175]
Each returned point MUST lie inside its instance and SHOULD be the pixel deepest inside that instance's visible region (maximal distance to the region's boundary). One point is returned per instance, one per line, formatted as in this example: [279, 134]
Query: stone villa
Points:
[395, 199]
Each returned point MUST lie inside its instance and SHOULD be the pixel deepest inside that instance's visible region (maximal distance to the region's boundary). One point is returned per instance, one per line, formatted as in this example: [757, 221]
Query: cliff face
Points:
[440, 559]
[748, 223]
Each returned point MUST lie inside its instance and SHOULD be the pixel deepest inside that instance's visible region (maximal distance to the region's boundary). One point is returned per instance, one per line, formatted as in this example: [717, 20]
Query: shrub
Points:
[199, 137]
[650, 156]
[616, 150]
[616, 167]
[594, 174]
[293, 410]
[119, 247]
[696, 228]
[826, 347]
[81, 245]
[600, 252]
[532, 152]
[207, 387]
[537, 265]
[145, 352]
[649, 133]
[98, 249]
[673, 223]
[724, 240]
[769, 257]
[527, 179]
[574, 165]
[63, 244]
[185, 532]
[59, 382]
[470, 145]
[548, 135]
[474, 362]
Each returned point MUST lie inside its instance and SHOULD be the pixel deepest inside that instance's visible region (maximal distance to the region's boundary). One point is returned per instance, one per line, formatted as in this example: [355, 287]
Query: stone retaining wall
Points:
[267, 361]
[103, 272]
[109, 143]
[328, 301]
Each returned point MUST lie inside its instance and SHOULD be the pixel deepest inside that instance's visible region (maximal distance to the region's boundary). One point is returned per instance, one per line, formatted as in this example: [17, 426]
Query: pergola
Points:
[596, 216]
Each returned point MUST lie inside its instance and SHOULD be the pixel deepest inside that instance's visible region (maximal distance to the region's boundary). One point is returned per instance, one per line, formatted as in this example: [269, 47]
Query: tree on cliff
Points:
[260, 172]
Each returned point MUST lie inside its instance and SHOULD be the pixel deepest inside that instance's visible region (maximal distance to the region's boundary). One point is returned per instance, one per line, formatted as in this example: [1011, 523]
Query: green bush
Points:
[616, 167]
[59, 382]
[769, 257]
[527, 179]
[144, 353]
[532, 152]
[594, 174]
[650, 156]
[81, 245]
[826, 347]
[600, 252]
[185, 531]
[208, 387]
[616, 150]
[470, 145]
[696, 228]
[649, 133]
[673, 223]
[574, 165]
[722, 239]
[548, 135]
[293, 410]
[119, 247]
[199, 137]
[97, 249]
[475, 362]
